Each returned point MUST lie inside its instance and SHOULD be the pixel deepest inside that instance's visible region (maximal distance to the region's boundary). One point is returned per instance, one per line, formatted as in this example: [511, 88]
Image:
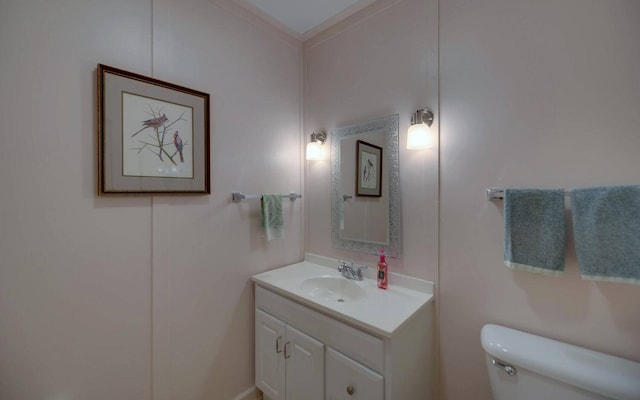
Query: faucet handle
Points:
[343, 264]
[358, 269]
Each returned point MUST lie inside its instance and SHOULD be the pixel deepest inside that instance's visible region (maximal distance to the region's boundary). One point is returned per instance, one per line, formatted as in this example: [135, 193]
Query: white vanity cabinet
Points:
[289, 364]
[305, 353]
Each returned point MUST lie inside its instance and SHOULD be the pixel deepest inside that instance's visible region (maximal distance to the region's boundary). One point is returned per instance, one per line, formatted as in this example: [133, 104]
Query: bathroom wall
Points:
[107, 298]
[533, 94]
[79, 273]
[380, 61]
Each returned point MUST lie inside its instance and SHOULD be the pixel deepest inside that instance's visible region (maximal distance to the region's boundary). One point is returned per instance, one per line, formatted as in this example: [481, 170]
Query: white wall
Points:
[533, 94]
[381, 61]
[77, 271]
[538, 94]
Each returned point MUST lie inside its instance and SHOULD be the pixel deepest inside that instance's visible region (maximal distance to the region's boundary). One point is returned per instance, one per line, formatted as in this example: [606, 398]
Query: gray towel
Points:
[534, 230]
[606, 227]
[272, 216]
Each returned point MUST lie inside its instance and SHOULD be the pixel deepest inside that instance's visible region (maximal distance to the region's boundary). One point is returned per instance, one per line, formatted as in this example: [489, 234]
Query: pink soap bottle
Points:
[383, 280]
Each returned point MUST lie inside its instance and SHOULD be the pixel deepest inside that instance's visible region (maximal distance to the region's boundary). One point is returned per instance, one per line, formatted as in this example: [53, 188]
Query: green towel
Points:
[272, 217]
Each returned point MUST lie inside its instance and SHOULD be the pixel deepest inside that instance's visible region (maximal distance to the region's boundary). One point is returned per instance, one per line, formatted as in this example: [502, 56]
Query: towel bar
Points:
[238, 197]
[498, 194]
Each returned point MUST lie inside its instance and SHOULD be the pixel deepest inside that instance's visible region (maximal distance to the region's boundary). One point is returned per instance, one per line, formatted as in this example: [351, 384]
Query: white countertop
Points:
[380, 311]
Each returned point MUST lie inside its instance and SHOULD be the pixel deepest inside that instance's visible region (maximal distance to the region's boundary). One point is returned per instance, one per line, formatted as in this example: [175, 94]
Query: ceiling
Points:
[304, 18]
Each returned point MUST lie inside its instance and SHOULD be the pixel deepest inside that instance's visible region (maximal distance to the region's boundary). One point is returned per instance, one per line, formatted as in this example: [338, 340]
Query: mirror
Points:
[365, 187]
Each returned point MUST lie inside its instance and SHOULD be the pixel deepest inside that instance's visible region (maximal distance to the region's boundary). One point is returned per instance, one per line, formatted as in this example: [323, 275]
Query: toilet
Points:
[523, 366]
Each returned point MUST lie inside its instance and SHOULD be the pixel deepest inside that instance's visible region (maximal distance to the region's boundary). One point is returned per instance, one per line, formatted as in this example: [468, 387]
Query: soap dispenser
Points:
[382, 271]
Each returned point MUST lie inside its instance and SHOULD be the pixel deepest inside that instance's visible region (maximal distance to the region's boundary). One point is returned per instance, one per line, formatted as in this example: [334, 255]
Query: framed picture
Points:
[153, 136]
[368, 169]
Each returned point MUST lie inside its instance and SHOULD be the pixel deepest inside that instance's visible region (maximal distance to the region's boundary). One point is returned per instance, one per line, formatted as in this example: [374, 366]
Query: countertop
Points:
[379, 311]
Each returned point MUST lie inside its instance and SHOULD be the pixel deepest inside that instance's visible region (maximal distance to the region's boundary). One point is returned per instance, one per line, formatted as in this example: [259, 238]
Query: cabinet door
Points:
[270, 374]
[350, 380]
[305, 366]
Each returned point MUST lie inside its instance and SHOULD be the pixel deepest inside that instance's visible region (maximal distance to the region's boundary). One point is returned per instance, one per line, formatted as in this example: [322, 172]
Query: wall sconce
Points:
[314, 147]
[419, 135]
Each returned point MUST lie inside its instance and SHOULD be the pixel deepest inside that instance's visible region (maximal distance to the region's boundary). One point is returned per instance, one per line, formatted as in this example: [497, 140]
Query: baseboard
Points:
[252, 393]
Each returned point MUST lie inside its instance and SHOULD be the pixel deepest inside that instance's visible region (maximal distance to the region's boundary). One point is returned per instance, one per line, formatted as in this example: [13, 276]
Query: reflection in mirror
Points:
[365, 187]
[365, 207]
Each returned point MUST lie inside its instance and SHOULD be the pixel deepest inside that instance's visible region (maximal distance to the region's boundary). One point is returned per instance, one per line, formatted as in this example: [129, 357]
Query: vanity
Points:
[319, 335]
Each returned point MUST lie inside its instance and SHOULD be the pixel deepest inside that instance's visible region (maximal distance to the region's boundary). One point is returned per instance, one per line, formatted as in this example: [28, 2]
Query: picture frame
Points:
[153, 136]
[368, 169]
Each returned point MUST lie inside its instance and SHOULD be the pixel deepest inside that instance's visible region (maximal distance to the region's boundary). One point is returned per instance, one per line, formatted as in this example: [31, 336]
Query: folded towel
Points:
[272, 217]
[606, 227]
[534, 230]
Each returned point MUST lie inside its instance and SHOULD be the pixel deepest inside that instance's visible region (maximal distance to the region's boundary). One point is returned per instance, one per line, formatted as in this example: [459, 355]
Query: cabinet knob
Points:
[350, 390]
[278, 349]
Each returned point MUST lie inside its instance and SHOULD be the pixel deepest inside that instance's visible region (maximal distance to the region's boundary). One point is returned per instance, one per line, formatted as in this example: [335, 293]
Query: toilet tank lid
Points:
[600, 373]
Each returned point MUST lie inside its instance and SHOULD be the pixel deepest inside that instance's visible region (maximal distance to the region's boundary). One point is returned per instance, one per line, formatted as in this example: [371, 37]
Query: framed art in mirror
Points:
[153, 136]
[368, 169]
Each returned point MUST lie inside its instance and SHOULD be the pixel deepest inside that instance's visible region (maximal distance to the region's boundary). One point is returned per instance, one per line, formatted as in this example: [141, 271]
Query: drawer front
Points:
[358, 345]
[349, 380]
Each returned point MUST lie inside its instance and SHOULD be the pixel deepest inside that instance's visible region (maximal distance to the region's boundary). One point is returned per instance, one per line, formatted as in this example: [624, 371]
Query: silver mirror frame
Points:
[390, 126]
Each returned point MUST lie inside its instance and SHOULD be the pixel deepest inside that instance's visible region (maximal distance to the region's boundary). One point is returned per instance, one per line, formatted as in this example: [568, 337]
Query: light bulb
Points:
[419, 137]
[314, 151]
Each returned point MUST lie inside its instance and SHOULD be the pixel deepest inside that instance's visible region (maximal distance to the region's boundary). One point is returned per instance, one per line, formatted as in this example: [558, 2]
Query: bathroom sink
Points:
[316, 283]
[332, 288]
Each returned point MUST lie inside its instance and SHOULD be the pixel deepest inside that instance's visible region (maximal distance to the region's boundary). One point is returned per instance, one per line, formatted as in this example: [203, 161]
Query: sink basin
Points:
[332, 288]
[319, 285]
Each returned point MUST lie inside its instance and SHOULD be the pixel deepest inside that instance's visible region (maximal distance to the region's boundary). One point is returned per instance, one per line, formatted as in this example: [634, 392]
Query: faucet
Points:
[351, 270]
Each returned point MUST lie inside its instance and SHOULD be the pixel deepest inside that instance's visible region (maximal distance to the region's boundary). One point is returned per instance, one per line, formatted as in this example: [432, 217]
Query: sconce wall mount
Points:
[422, 116]
[319, 137]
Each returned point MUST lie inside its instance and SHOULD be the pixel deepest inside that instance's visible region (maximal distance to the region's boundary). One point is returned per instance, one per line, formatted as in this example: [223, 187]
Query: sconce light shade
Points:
[314, 151]
[314, 147]
[419, 135]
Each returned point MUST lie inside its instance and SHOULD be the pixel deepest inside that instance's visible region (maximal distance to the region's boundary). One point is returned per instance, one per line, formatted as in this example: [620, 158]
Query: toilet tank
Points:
[523, 366]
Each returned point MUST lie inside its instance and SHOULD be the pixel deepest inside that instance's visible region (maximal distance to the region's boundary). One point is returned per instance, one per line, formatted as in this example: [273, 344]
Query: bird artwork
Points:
[160, 142]
[178, 142]
[368, 173]
[154, 123]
